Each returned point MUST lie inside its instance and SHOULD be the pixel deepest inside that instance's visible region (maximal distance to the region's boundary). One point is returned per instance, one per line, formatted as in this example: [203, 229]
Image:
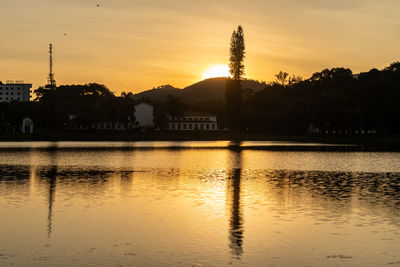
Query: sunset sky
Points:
[135, 45]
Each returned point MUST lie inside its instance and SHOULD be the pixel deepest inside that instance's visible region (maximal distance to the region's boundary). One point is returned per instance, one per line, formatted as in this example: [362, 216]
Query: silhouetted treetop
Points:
[237, 54]
[395, 67]
[329, 74]
[282, 77]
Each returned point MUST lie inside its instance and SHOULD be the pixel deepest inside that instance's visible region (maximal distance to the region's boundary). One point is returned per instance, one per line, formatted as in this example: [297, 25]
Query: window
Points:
[190, 126]
[173, 126]
[201, 126]
[207, 127]
[184, 126]
[213, 126]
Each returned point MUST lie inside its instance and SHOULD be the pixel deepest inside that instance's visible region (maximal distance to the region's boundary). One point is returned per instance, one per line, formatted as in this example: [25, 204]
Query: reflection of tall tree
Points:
[52, 176]
[236, 218]
[50, 173]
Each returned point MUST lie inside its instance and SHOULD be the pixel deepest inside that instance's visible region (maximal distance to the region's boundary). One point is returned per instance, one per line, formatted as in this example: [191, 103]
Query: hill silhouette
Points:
[206, 90]
[158, 94]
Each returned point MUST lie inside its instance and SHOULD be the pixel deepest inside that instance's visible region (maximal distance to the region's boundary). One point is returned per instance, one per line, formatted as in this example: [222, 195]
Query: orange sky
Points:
[134, 45]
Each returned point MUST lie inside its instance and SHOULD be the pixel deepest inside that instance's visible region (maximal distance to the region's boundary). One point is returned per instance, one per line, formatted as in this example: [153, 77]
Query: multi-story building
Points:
[15, 91]
[193, 120]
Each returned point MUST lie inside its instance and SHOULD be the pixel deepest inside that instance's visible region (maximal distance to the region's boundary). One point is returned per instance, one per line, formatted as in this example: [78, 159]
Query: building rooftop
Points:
[143, 103]
[16, 82]
[198, 114]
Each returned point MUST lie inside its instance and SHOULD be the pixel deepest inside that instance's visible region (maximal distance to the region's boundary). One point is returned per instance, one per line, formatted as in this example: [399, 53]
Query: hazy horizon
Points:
[138, 45]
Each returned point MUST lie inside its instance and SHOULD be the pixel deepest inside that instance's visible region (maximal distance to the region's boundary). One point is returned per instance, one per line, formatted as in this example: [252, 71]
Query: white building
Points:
[144, 115]
[15, 91]
[193, 120]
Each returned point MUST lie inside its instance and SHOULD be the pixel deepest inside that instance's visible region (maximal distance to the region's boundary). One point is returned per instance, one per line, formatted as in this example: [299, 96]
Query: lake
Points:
[196, 204]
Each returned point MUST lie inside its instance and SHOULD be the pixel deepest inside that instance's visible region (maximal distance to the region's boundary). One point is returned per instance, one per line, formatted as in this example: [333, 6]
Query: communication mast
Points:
[50, 79]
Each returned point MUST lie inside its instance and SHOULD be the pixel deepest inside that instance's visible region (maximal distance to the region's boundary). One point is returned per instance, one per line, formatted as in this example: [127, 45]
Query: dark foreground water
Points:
[202, 206]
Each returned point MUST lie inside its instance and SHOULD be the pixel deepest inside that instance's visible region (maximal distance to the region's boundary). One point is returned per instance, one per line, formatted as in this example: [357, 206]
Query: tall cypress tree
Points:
[237, 54]
[233, 91]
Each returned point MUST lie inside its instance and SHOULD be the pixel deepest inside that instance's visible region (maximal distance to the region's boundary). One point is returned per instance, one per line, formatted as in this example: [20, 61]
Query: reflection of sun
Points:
[216, 71]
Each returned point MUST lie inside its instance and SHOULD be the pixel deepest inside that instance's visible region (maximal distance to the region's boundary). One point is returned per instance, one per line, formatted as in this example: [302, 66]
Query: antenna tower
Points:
[50, 79]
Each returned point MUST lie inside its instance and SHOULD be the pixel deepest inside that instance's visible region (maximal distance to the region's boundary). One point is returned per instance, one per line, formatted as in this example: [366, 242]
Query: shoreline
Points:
[328, 143]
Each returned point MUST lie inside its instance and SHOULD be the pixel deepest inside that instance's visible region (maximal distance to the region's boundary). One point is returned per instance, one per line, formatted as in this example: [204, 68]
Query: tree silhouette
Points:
[237, 54]
[233, 92]
[87, 103]
[294, 79]
[282, 77]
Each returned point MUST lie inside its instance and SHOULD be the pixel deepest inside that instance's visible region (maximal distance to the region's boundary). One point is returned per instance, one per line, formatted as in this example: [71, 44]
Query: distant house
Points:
[193, 120]
[27, 125]
[78, 123]
[106, 125]
[327, 129]
[144, 115]
[110, 125]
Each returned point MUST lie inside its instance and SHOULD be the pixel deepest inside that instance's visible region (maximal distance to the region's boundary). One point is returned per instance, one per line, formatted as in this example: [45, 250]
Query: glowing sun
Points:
[216, 71]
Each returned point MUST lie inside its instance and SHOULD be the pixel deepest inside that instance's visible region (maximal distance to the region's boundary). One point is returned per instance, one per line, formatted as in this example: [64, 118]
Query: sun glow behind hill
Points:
[216, 71]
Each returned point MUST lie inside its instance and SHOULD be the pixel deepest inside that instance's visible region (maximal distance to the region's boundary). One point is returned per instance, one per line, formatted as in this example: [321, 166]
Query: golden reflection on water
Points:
[187, 207]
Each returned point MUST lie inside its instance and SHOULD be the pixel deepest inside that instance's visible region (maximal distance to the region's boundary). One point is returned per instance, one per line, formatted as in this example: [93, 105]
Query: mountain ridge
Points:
[206, 90]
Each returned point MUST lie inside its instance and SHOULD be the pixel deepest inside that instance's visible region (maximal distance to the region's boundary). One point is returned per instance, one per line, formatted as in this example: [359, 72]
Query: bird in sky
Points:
[98, 5]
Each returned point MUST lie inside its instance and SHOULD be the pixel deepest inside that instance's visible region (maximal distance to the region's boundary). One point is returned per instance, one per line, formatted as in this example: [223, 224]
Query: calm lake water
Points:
[198, 204]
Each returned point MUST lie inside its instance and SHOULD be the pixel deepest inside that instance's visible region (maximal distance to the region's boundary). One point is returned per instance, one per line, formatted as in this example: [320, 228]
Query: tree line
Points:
[331, 99]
